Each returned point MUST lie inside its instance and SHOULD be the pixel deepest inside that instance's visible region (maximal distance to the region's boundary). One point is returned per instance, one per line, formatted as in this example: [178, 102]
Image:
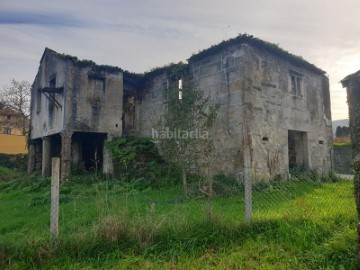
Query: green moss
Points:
[345, 144]
[89, 63]
[172, 70]
[258, 43]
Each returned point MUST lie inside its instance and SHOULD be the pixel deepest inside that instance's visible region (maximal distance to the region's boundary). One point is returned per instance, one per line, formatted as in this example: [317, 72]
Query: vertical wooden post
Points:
[247, 185]
[54, 212]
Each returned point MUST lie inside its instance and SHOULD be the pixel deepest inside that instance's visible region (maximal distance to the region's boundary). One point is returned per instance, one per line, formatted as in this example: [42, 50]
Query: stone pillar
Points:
[31, 159]
[65, 156]
[46, 156]
[108, 166]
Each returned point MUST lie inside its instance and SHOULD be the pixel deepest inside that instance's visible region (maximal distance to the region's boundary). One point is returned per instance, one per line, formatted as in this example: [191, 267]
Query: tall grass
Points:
[108, 224]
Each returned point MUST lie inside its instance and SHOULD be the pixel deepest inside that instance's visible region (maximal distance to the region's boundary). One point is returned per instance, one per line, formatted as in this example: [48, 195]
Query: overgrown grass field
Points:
[108, 224]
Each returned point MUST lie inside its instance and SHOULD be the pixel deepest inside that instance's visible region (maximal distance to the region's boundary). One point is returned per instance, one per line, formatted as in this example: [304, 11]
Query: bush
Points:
[16, 162]
[137, 160]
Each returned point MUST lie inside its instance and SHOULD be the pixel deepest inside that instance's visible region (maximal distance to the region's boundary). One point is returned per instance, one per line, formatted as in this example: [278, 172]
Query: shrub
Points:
[137, 160]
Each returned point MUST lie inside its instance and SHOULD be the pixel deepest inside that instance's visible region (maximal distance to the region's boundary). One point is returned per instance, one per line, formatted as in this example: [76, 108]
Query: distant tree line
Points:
[342, 132]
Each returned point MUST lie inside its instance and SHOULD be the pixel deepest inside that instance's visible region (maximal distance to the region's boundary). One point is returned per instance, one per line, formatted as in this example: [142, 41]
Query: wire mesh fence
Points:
[308, 217]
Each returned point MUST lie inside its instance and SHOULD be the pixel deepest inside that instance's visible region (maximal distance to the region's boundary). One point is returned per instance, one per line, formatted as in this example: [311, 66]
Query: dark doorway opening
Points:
[297, 149]
[88, 147]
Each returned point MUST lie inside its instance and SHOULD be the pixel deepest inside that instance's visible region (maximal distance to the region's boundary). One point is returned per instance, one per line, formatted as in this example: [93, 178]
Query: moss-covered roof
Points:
[176, 71]
[83, 63]
[173, 71]
[260, 44]
[136, 79]
[350, 77]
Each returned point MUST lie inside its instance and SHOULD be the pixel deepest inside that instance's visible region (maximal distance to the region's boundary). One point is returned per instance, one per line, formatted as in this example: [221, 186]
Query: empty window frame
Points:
[52, 81]
[38, 101]
[296, 84]
[7, 130]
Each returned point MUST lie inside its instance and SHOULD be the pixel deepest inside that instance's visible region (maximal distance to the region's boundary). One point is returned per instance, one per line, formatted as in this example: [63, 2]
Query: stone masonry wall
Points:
[86, 104]
[257, 108]
[275, 110]
[221, 76]
[342, 160]
[151, 105]
[94, 105]
[43, 121]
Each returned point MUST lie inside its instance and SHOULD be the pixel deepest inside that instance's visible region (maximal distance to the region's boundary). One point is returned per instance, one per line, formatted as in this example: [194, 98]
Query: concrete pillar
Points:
[55, 196]
[31, 159]
[46, 156]
[247, 185]
[65, 156]
[108, 166]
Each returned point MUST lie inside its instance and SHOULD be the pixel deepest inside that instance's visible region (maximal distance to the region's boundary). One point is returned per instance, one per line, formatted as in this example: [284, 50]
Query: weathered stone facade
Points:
[274, 107]
[352, 84]
[75, 107]
[260, 113]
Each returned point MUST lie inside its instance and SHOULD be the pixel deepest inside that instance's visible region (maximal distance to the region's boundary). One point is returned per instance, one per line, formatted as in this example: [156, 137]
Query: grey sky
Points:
[139, 35]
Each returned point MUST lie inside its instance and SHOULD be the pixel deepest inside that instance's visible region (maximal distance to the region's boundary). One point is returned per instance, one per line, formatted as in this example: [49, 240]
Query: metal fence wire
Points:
[306, 209]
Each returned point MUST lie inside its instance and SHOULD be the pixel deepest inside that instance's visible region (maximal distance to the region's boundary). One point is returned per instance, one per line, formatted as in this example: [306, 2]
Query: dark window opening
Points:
[52, 82]
[7, 130]
[296, 85]
[38, 101]
[129, 114]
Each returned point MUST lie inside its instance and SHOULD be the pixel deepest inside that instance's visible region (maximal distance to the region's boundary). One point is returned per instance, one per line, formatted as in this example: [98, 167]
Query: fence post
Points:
[54, 211]
[247, 185]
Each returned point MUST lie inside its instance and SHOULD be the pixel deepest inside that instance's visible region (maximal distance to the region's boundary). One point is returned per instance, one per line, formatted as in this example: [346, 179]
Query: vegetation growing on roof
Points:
[88, 63]
[258, 43]
[173, 71]
[134, 78]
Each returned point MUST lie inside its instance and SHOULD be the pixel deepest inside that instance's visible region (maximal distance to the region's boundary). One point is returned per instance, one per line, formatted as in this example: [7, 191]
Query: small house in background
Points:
[274, 108]
[13, 130]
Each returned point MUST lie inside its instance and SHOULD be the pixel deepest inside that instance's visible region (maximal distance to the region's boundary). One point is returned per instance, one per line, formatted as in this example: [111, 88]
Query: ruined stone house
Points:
[274, 108]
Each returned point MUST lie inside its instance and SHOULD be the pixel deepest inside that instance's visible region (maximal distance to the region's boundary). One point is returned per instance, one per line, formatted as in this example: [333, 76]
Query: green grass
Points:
[342, 144]
[111, 225]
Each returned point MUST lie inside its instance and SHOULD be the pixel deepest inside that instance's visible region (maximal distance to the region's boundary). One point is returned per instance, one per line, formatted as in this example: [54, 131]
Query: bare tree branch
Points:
[16, 97]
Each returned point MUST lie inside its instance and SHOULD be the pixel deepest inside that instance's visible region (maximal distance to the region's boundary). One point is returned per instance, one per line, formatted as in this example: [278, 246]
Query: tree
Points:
[184, 130]
[16, 97]
[342, 132]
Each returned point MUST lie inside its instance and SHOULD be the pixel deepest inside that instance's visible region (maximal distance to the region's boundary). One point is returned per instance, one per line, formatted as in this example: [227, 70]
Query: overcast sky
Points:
[138, 35]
